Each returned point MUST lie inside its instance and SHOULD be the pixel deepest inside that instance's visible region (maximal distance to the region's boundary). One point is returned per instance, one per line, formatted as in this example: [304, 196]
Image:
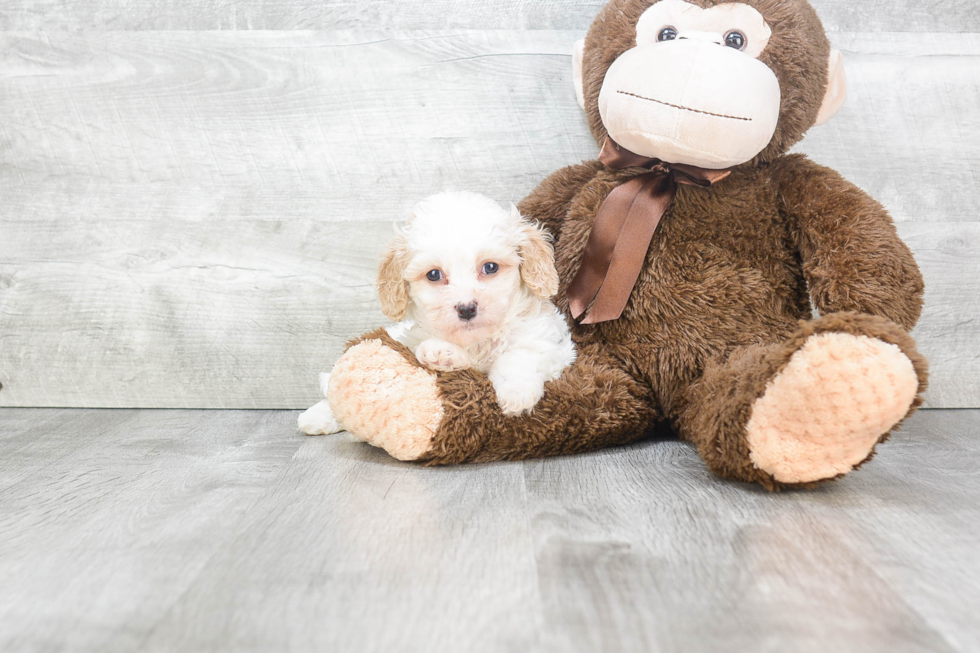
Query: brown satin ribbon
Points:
[624, 228]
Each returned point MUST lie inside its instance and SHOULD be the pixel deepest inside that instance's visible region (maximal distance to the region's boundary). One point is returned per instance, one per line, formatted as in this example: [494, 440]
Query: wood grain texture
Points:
[245, 313]
[192, 219]
[354, 551]
[909, 133]
[643, 550]
[119, 514]
[24, 15]
[199, 314]
[948, 332]
[355, 125]
[229, 531]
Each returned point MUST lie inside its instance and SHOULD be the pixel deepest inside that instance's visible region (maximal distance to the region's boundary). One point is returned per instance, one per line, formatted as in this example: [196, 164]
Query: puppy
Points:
[468, 284]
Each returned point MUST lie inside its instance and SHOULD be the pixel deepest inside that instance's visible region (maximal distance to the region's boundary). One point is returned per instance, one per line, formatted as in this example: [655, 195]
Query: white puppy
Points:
[468, 283]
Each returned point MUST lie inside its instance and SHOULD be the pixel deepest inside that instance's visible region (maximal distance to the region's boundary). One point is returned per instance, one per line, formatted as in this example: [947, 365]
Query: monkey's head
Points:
[707, 83]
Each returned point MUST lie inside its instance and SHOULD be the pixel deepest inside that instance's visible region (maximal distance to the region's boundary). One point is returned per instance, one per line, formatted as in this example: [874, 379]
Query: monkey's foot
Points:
[386, 400]
[827, 409]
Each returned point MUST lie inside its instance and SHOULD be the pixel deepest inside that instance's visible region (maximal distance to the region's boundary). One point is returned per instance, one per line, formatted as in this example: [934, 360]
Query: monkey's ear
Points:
[392, 287]
[833, 100]
[578, 51]
[538, 262]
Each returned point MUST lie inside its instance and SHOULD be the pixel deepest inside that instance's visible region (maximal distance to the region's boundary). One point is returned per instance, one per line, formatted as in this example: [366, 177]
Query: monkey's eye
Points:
[735, 39]
[490, 268]
[667, 34]
[434, 275]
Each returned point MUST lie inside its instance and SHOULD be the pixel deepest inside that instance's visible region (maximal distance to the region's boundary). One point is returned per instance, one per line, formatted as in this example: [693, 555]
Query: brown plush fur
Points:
[724, 298]
[598, 399]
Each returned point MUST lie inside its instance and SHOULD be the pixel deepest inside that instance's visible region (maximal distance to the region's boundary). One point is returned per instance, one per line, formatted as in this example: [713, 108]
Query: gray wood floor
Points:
[128, 530]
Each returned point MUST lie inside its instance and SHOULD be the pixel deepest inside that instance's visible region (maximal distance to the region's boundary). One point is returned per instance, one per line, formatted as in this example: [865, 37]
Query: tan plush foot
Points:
[827, 409]
[385, 400]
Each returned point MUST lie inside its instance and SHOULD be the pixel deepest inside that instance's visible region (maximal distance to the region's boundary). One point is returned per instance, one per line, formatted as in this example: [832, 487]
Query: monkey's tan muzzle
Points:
[690, 101]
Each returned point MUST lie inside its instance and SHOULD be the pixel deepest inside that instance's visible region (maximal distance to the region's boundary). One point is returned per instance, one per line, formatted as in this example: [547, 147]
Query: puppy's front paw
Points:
[517, 395]
[318, 420]
[442, 356]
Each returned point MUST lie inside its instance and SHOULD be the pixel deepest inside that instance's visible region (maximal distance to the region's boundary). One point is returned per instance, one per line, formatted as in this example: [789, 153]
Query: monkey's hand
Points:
[853, 258]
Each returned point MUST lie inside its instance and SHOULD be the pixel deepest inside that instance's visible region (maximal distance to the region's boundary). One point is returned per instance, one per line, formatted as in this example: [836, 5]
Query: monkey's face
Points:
[708, 84]
[693, 90]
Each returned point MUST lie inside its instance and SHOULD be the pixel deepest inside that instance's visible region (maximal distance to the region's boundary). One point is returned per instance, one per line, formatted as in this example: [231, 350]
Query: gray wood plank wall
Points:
[193, 195]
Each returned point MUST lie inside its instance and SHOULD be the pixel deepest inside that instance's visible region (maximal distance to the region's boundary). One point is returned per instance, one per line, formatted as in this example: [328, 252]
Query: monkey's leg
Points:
[384, 397]
[808, 409]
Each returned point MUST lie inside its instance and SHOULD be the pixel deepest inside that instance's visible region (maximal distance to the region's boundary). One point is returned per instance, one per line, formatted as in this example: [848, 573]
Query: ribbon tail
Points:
[606, 233]
[631, 249]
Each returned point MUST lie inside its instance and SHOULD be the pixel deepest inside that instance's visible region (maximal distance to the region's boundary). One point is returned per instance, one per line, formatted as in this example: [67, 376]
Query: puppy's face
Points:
[462, 265]
[463, 291]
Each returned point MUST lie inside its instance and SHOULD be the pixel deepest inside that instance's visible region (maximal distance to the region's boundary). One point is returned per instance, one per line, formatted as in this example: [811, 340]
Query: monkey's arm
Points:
[853, 259]
[549, 202]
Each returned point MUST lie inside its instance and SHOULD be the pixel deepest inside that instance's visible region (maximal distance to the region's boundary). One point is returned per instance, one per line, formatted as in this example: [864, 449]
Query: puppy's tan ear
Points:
[392, 287]
[538, 261]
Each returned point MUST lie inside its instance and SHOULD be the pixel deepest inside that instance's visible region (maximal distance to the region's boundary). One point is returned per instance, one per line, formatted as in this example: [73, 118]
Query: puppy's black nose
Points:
[466, 312]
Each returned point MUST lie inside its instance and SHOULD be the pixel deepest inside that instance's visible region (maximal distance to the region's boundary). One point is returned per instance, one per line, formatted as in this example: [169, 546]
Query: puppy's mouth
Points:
[470, 325]
[470, 331]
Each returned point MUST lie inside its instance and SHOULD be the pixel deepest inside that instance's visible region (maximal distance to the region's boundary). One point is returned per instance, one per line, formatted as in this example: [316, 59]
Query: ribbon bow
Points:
[624, 228]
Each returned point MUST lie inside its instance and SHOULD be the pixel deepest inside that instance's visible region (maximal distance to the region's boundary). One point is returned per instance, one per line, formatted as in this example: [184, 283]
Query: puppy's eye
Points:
[434, 275]
[490, 268]
[735, 39]
[667, 34]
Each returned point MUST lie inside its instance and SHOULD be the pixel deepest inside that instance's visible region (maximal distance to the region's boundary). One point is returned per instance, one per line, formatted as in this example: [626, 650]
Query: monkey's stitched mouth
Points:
[677, 106]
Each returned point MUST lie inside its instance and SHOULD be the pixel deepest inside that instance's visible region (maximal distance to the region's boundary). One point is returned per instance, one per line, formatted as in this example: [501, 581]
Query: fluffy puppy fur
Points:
[469, 284]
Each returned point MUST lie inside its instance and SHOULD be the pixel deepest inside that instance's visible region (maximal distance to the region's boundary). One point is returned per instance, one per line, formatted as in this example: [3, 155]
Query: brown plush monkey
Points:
[688, 258]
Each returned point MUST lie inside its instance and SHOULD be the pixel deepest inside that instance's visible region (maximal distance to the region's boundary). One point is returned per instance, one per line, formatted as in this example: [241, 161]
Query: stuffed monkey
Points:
[689, 256]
